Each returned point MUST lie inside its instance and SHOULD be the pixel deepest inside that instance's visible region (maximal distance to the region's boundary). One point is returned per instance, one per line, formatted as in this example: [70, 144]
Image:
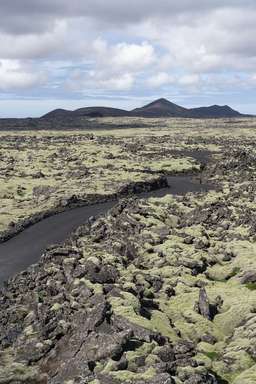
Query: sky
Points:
[71, 54]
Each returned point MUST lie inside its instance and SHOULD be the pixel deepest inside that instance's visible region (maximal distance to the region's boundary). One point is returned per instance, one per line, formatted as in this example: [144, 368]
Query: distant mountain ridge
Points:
[158, 108]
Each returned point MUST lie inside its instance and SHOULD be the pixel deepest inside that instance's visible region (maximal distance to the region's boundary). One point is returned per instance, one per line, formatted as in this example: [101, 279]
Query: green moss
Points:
[251, 286]
[240, 362]
[29, 331]
[127, 376]
[96, 288]
[161, 323]
[56, 307]
[212, 355]
[143, 351]
[222, 272]
[235, 271]
[247, 377]
[11, 371]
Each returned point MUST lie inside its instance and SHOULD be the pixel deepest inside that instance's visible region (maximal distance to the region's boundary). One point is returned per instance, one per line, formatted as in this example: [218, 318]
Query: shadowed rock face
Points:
[203, 304]
[205, 308]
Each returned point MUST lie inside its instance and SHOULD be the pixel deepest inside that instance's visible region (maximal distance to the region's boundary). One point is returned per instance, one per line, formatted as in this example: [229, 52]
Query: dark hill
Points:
[101, 112]
[214, 111]
[160, 108]
[86, 112]
[58, 114]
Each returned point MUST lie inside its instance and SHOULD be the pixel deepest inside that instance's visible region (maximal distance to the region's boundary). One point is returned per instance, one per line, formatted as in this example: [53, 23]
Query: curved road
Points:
[26, 248]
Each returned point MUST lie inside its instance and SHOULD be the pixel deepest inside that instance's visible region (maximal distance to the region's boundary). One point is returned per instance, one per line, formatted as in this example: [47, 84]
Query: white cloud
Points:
[13, 76]
[115, 67]
[216, 40]
[189, 80]
[160, 79]
[59, 42]
[132, 56]
[123, 56]
[163, 79]
[120, 83]
[100, 80]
